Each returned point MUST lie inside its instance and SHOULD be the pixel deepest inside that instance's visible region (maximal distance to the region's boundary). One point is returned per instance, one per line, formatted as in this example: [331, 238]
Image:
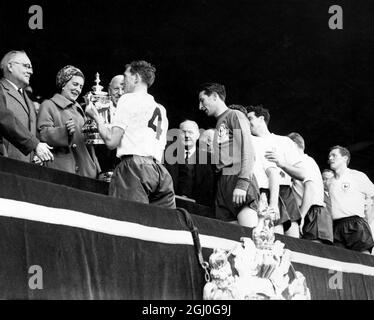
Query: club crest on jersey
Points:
[223, 133]
[345, 186]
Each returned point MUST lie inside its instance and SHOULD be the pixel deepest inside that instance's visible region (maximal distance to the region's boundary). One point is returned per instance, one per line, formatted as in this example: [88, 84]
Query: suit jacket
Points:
[24, 110]
[13, 130]
[196, 180]
[70, 152]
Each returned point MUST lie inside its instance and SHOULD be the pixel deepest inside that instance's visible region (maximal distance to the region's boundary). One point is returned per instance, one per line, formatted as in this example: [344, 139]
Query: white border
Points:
[29, 211]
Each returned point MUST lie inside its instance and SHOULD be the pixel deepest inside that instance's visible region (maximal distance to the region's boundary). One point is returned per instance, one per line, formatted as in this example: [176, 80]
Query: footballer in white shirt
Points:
[349, 192]
[138, 132]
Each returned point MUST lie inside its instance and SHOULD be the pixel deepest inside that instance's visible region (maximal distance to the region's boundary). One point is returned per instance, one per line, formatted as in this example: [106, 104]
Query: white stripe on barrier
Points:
[29, 211]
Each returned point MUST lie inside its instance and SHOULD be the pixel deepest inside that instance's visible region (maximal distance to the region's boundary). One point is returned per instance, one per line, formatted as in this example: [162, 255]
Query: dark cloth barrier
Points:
[75, 181]
[79, 263]
[52, 175]
[195, 208]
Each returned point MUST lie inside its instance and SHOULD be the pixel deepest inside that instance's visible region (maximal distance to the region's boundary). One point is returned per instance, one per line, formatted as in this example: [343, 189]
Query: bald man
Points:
[193, 177]
[107, 158]
[115, 88]
[20, 143]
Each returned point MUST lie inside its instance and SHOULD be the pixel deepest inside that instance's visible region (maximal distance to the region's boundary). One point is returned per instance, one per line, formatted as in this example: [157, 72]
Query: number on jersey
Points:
[151, 123]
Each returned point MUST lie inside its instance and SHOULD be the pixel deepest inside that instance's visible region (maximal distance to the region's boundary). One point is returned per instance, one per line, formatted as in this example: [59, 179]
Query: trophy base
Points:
[93, 138]
[106, 176]
[94, 141]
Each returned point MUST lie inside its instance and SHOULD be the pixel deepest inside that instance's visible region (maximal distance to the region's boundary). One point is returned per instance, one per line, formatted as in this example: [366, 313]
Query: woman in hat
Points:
[60, 121]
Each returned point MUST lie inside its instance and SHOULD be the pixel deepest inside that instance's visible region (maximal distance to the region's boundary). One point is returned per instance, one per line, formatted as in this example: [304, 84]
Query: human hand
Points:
[36, 160]
[42, 151]
[275, 157]
[91, 111]
[239, 197]
[70, 126]
[274, 212]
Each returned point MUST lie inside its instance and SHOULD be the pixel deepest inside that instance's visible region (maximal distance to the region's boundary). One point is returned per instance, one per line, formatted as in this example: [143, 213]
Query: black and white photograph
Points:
[195, 152]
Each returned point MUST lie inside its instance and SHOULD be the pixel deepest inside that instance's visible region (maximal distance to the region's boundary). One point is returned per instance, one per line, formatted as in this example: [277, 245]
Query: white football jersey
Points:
[261, 163]
[312, 174]
[348, 194]
[286, 148]
[145, 124]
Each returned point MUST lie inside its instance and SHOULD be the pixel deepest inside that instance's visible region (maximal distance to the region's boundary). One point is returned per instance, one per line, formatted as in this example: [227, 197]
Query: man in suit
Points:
[17, 112]
[108, 158]
[115, 88]
[193, 177]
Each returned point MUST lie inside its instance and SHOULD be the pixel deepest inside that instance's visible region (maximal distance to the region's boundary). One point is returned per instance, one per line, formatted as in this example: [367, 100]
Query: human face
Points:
[116, 89]
[336, 160]
[20, 70]
[73, 88]
[207, 103]
[189, 133]
[129, 81]
[255, 122]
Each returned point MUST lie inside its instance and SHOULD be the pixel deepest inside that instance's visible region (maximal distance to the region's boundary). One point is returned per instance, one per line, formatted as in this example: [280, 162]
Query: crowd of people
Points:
[225, 168]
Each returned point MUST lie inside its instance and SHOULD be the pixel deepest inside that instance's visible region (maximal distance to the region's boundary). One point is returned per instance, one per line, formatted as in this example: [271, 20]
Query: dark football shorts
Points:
[224, 206]
[353, 233]
[142, 179]
[318, 225]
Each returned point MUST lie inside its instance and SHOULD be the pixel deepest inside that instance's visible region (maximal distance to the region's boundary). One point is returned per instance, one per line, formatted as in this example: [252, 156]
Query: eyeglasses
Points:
[26, 65]
[117, 90]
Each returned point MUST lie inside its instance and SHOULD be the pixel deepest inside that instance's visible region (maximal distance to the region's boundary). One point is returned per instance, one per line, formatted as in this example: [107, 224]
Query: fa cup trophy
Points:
[103, 104]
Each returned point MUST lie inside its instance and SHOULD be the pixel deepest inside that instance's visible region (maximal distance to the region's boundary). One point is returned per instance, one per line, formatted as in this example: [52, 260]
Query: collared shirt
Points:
[348, 194]
[233, 147]
[15, 87]
[261, 163]
[145, 125]
[189, 152]
[313, 174]
[286, 148]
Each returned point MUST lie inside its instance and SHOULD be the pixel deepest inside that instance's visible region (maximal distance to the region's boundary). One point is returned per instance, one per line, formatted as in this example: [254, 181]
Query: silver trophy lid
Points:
[97, 89]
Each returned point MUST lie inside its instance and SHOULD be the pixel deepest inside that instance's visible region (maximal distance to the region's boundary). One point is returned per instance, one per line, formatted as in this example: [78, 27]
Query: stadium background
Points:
[316, 81]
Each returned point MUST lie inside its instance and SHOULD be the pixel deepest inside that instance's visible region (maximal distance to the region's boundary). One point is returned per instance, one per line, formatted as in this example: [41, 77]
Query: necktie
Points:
[21, 93]
[187, 156]
[23, 99]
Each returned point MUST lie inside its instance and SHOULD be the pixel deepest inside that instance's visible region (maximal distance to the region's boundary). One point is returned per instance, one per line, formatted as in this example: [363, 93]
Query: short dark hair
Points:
[238, 107]
[259, 110]
[298, 139]
[343, 151]
[209, 87]
[146, 70]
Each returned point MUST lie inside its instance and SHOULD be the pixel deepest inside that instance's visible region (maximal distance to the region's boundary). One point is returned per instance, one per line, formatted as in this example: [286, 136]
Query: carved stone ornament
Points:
[257, 269]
